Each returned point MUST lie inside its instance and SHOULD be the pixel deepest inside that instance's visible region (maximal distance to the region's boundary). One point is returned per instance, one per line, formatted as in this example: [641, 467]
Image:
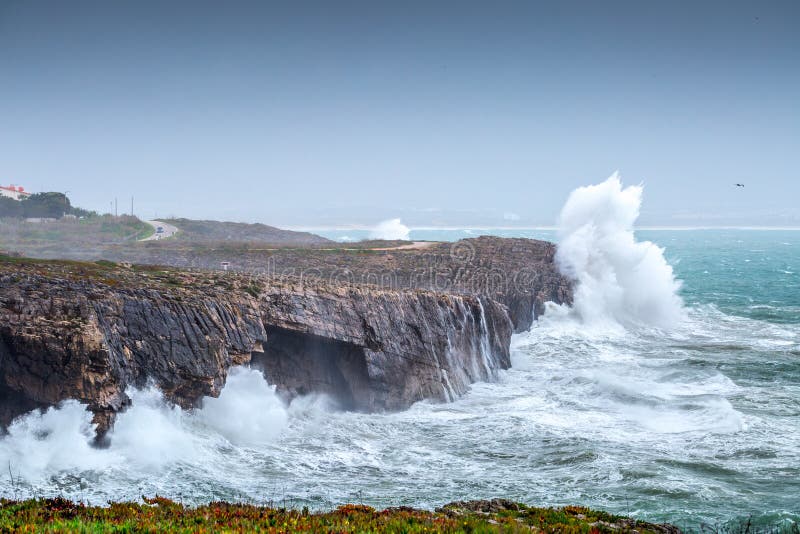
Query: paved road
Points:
[169, 230]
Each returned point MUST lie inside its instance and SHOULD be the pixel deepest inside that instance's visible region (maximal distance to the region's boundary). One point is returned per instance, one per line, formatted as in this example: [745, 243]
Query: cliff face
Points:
[519, 273]
[390, 347]
[89, 331]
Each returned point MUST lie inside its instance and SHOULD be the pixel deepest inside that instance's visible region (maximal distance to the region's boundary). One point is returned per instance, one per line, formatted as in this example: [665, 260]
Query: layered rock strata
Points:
[519, 273]
[90, 331]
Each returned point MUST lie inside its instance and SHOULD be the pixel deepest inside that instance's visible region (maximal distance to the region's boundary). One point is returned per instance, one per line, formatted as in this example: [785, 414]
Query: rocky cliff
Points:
[88, 331]
[519, 273]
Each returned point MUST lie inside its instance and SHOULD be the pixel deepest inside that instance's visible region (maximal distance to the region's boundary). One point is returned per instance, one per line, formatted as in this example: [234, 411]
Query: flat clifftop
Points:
[519, 273]
[88, 331]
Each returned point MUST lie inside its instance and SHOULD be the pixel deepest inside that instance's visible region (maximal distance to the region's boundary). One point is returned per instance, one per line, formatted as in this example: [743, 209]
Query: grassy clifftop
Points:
[55, 238]
[216, 231]
[164, 515]
[110, 237]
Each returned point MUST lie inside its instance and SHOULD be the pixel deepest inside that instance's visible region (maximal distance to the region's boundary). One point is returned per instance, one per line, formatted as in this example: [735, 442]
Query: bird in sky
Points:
[739, 185]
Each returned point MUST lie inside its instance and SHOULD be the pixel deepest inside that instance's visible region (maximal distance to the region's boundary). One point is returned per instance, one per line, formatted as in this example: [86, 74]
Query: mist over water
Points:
[668, 401]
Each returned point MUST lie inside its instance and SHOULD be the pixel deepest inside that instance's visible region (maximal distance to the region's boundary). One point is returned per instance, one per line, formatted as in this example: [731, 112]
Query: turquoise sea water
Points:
[698, 423]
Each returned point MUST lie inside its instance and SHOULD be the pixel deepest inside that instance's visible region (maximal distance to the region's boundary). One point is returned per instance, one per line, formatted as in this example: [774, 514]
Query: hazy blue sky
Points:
[439, 112]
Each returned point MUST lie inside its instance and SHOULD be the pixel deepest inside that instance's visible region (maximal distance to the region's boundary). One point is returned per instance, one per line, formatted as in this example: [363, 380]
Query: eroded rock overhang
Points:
[86, 333]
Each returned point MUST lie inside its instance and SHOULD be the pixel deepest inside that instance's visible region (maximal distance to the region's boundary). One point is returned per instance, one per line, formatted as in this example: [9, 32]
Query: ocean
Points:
[695, 421]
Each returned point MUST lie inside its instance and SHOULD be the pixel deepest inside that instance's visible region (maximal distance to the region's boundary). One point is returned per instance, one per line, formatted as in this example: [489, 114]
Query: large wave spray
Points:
[148, 436]
[247, 410]
[391, 229]
[619, 281]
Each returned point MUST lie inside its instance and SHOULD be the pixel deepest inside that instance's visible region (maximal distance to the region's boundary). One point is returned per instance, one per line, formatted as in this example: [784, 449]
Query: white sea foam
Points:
[58, 439]
[247, 411]
[147, 436]
[151, 433]
[619, 281]
[391, 229]
[572, 413]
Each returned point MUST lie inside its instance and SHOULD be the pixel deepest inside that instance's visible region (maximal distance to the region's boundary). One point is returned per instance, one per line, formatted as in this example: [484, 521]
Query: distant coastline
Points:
[360, 227]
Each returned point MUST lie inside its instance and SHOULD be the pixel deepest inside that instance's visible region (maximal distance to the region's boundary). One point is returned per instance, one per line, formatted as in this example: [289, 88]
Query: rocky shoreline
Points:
[89, 331]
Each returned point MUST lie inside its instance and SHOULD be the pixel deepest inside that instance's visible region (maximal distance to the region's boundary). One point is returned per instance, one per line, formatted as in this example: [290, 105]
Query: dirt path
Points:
[411, 246]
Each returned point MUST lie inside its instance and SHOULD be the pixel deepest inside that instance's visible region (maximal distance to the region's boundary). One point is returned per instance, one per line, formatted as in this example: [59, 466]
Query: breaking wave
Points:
[619, 281]
[391, 229]
[148, 436]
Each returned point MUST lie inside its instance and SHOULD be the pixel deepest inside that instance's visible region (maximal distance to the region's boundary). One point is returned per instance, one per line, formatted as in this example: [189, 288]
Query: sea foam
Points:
[247, 410]
[149, 435]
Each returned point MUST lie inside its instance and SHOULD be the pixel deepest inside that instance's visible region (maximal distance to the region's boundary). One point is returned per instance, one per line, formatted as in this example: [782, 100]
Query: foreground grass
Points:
[163, 515]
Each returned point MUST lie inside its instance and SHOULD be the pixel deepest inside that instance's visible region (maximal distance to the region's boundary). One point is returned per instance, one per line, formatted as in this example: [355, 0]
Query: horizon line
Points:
[545, 228]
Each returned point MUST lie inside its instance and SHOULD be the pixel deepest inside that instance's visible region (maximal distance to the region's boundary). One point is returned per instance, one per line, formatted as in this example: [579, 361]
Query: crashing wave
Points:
[619, 281]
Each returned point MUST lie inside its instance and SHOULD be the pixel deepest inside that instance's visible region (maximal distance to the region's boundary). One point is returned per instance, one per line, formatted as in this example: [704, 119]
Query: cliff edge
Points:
[375, 331]
[88, 331]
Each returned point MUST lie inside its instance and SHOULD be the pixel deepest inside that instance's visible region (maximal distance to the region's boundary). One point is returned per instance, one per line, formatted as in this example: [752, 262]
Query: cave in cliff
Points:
[302, 364]
[13, 404]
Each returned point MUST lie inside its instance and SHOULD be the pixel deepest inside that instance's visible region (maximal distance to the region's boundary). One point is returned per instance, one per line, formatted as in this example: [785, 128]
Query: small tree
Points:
[10, 207]
[53, 205]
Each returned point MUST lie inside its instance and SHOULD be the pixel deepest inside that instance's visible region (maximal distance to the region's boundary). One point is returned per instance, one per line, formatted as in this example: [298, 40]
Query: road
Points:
[169, 230]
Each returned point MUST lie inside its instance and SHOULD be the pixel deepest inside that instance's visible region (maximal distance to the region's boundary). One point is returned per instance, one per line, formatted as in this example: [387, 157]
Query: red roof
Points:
[16, 188]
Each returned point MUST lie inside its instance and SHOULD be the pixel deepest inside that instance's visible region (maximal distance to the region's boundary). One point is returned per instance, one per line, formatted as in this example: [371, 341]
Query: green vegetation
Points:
[163, 515]
[48, 225]
[63, 237]
[50, 205]
[198, 231]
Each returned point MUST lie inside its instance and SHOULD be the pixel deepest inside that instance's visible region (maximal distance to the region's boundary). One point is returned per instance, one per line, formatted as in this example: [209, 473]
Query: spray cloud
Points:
[391, 229]
[618, 280]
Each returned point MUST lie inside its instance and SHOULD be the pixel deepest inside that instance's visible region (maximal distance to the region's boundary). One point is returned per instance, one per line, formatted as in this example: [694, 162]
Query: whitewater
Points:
[670, 391]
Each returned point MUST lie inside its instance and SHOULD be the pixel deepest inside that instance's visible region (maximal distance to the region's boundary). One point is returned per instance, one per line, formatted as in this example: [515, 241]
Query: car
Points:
[160, 230]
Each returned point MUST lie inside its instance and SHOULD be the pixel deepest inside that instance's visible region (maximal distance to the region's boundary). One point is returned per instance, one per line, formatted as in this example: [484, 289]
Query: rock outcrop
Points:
[519, 273]
[89, 331]
[375, 329]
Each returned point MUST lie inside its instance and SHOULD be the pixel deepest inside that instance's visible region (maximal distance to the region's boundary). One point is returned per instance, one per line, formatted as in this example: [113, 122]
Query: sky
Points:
[326, 113]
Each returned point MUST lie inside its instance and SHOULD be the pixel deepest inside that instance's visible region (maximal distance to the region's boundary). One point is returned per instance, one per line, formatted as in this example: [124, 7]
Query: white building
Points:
[13, 191]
